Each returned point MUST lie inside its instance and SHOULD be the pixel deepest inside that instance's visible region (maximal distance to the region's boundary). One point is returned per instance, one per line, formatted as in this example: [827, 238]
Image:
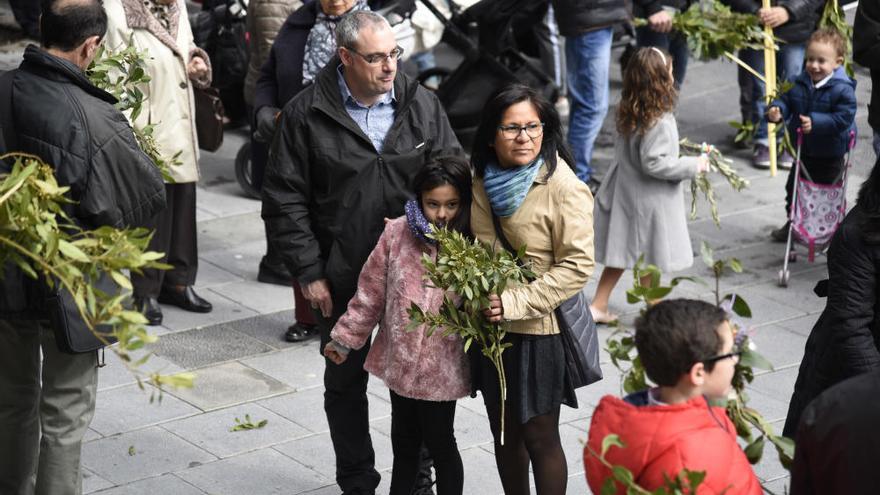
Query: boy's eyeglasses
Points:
[512, 132]
[722, 357]
[379, 58]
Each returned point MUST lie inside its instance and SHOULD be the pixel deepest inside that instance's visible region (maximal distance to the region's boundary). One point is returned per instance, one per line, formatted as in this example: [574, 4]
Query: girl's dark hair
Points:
[869, 202]
[456, 172]
[553, 143]
[648, 91]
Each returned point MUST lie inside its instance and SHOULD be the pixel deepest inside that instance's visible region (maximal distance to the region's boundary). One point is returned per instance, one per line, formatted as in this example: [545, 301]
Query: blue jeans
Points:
[674, 43]
[587, 57]
[789, 62]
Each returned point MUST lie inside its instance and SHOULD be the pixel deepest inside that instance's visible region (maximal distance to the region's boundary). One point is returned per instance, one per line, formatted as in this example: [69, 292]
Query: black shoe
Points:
[186, 299]
[299, 332]
[780, 234]
[274, 274]
[149, 306]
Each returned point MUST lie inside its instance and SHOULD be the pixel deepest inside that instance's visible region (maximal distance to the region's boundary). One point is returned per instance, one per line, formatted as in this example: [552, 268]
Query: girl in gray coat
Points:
[639, 209]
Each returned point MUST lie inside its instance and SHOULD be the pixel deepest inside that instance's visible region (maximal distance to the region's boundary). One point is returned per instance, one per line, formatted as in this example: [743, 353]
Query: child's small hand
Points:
[333, 354]
[774, 115]
[495, 312]
[806, 124]
[774, 16]
[703, 164]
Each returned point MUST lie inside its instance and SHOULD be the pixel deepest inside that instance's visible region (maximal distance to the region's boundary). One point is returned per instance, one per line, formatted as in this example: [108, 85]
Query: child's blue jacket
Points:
[832, 109]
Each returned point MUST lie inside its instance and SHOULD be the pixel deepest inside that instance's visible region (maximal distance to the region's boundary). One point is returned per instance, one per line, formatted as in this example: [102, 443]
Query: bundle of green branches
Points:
[834, 18]
[37, 236]
[122, 74]
[470, 271]
[713, 30]
[701, 183]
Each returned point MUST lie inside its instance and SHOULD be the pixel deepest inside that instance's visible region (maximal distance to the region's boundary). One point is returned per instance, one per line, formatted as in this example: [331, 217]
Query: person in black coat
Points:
[866, 52]
[838, 441]
[844, 342]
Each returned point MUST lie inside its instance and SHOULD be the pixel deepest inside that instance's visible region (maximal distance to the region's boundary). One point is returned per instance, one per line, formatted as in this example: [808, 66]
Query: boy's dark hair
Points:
[673, 335]
[553, 143]
[66, 24]
[831, 37]
[456, 172]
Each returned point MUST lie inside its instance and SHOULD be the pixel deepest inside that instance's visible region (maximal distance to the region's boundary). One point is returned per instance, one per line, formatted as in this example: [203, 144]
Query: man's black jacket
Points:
[803, 16]
[576, 17]
[866, 52]
[327, 189]
[72, 125]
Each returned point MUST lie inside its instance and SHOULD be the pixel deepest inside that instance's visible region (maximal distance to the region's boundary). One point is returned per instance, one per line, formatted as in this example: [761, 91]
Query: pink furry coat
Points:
[412, 364]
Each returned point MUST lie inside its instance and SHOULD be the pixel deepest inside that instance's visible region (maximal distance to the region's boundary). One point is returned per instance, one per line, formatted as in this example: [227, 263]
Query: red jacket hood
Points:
[662, 440]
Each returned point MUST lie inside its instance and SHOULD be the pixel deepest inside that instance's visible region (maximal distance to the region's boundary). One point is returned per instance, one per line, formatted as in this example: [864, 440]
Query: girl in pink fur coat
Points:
[426, 374]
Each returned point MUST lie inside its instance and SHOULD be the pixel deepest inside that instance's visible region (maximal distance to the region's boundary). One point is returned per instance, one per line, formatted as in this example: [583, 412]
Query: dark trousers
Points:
[345, 403]
[27, 15]
[175, 235]
[819, 170]
[414, 422]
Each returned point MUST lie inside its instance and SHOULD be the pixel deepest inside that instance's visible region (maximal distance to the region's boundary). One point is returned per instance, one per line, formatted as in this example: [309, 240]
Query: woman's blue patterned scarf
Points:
[507, 187]
[418, 224]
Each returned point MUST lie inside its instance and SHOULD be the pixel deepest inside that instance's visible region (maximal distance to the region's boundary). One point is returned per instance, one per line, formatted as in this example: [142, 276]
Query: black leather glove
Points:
[266, 124]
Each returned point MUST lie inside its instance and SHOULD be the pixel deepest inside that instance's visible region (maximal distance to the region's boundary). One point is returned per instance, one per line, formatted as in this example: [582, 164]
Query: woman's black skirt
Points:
[537, 382]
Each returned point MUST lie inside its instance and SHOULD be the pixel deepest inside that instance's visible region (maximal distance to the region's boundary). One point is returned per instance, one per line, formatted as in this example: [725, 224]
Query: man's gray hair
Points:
[349, 27]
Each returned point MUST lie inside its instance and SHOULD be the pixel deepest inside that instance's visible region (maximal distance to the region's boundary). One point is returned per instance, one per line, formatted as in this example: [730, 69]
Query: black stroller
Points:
[489, 64]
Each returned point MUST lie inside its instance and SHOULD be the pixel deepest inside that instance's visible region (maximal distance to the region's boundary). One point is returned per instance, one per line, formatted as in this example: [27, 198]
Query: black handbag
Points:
[580, 340]
[209, 118]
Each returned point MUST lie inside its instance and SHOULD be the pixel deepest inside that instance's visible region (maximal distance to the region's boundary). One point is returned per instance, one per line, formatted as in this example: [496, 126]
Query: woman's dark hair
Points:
[456, 172]
[66, 24]
[553, 143]
[869, 202]
[674, 335]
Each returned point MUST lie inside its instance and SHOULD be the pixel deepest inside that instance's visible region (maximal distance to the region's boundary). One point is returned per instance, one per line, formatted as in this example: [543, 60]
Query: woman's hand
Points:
[197, 68]
[774, 16]
[333, 354]
[495, 312]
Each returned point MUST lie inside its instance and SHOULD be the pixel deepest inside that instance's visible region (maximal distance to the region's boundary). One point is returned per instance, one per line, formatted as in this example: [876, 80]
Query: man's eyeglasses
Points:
[513, 131]
[735, 354]
[379, 58]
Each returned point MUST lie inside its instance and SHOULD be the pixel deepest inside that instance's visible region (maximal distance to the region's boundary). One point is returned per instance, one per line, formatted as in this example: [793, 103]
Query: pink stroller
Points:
[816, 210]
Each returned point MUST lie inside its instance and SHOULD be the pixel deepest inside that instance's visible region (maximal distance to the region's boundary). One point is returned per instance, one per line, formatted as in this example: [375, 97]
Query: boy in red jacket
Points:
[687, 348]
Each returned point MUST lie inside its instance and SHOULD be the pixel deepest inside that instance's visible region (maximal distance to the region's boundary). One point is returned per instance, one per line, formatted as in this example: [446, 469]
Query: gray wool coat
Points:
[639, 208]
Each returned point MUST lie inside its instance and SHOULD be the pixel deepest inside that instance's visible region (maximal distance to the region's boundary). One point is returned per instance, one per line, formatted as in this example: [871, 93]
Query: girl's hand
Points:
[495, 312]
[703, 164]
[331, 353]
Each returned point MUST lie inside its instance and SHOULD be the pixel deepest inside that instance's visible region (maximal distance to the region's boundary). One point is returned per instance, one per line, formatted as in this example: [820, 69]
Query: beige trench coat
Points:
[169, 106]
[555, 222]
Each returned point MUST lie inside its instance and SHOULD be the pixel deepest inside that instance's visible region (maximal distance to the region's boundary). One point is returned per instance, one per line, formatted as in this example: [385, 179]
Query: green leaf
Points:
[753, 359]
[740, 306]
[622, 475]
[609, 487]
[755, 450]
[735, 265]
[611, 440]
[72, 252]
[707, 254]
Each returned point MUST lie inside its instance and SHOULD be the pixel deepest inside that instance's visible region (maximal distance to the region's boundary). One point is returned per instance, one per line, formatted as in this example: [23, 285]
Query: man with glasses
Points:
[342, 160]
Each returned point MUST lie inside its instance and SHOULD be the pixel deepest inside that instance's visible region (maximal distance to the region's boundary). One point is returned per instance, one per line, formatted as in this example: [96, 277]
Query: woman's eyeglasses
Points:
[379, 58]
[513, 131]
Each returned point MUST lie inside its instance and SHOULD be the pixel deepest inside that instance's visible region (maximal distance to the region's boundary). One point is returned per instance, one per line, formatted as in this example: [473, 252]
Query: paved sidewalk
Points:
[183, 444]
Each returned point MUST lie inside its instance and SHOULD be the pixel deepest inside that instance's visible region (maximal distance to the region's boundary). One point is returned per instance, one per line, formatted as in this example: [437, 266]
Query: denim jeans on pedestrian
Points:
[587, 57]
[789, 62]
[673, 43]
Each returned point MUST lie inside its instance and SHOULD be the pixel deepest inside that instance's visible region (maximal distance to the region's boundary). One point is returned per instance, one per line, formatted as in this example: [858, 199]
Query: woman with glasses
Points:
[526, 188]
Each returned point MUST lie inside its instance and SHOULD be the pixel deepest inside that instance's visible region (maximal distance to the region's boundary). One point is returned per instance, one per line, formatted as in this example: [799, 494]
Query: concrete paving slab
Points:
[211, 431]
[204, 346]
[91, 482]
[773, 408]
[480, 472]
[300, 367]
[804, 324]
[780, 346]
[128, 408]
[176, 319]
[91, 435]
[223, 204]
[573, 441]
[165, 484]
[141, 454]
[268, 329]
[260, 297]
[228, 384]
[263, 472]
[211, 275]
[316, 452]
[231, 233]
[577, 483]
[115, 373]
[242, 259]
[777, 383]
[305, 408]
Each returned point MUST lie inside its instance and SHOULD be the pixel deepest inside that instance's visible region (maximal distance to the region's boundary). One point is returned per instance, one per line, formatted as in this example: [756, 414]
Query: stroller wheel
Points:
[783, 278]
[243, 172]
[433, 77]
